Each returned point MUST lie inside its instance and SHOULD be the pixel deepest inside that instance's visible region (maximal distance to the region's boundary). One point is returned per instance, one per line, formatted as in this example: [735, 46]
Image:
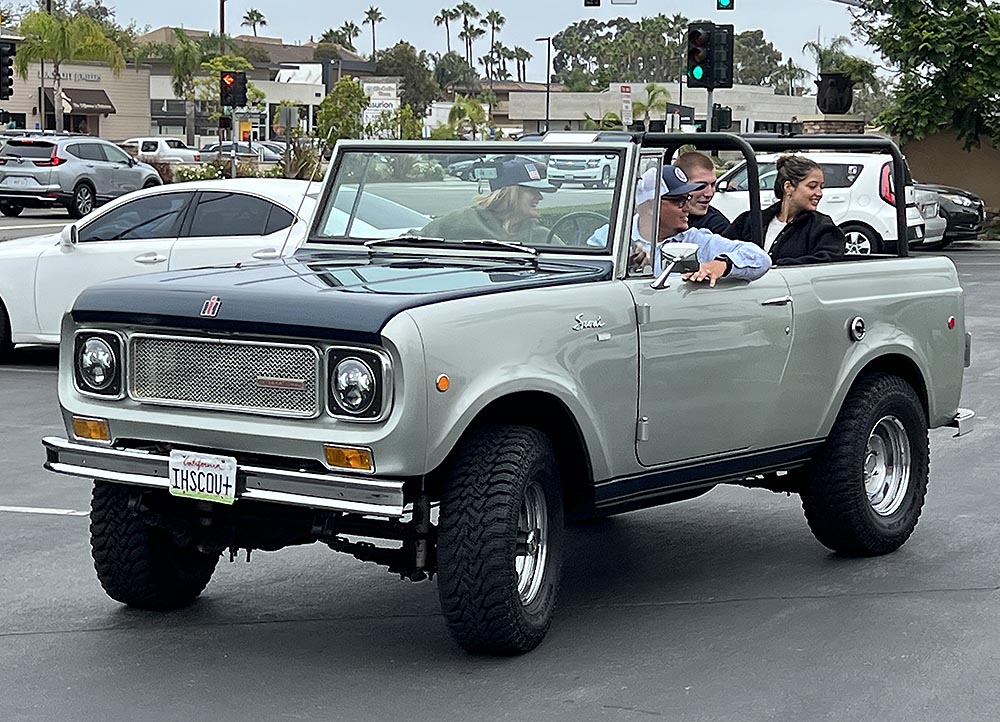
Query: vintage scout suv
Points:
[449, 370]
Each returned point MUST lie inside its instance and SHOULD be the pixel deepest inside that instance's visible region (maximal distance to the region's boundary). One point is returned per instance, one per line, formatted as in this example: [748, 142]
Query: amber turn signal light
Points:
[91, 429]
[341, 457]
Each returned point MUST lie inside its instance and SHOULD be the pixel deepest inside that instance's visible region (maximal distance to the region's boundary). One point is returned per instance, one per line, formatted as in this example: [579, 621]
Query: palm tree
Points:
[787, 76]
[466, 114]
[348, 33]
[253, 18]
[58, 40]
[184, 58]
[451, 72]
[828, 56]
[374, 16]
[494, 20]
[657, 98]
[444, 18]
[522, 56]
[468, 12]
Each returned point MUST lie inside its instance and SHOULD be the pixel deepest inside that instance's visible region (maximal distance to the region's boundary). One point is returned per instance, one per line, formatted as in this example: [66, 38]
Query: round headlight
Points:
[97, 363]
[354, 385]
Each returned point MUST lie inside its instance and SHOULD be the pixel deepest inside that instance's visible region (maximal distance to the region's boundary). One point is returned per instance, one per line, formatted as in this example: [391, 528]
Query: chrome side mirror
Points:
[69, 236]
[682, 257]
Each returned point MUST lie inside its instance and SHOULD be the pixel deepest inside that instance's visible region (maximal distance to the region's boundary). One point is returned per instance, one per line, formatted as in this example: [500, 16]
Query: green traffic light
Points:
[697, 72]
[724, 4]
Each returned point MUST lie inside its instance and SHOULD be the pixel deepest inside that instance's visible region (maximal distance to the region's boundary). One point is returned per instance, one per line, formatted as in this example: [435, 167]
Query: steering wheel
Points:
[579, 230]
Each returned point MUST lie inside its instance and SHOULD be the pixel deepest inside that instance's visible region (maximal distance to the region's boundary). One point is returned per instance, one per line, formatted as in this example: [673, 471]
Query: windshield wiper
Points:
[508, 245]
[403, 240]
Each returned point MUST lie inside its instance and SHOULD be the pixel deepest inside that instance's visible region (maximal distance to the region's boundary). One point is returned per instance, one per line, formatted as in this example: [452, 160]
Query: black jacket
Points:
[811, 237]
[715, 221]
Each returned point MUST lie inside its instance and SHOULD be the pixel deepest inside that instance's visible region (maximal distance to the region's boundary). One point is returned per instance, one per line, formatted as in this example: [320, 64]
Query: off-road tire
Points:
[487, 488]
[11, 210]
[837, 506]
[137, 564]
[82, 202]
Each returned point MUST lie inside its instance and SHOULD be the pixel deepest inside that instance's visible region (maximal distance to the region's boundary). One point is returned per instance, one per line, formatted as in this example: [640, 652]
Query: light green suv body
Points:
[461, 396]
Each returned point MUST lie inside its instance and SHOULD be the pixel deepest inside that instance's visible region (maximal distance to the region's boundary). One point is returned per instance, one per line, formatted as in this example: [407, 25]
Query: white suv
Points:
[859, 196]
[596, 171]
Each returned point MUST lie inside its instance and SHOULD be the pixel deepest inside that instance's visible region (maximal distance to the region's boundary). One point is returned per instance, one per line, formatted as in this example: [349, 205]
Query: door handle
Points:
[266, 254]
[780, 301]
[150, 258]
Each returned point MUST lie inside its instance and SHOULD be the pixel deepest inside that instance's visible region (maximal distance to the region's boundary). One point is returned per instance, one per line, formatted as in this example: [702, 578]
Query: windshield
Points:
[553, 201]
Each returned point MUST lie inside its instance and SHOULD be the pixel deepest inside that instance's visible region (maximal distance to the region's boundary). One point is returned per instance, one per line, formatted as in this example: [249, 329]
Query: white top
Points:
[773, 229]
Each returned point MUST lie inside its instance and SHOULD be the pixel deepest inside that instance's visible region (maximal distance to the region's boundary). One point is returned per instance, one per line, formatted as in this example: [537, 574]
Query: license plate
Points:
[203, 476]
[17, 181]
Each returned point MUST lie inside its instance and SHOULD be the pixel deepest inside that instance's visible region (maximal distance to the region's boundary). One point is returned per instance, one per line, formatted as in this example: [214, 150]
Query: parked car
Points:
[466, 168]
[161, 150]
[596, 171]
[200, 223]
[454, 398]
[859, 196]
[214, 151]
[74, 171]
[964, 213]
[929, 207]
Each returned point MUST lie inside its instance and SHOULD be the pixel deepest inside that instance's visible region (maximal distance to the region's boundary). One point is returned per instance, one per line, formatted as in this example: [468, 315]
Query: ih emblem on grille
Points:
[211, 307]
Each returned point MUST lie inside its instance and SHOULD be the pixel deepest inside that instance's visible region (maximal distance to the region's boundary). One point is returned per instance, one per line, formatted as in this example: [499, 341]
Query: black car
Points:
[963, 210]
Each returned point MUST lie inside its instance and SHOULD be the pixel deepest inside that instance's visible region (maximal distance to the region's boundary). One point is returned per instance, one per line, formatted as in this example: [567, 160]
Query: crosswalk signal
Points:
[722, 56]
[7, 52]
[725, 4]
[700, 70]
[232, 89]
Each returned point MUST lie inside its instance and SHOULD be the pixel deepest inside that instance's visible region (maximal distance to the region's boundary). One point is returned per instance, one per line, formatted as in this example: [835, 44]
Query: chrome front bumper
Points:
[331, 492]
[964, 421]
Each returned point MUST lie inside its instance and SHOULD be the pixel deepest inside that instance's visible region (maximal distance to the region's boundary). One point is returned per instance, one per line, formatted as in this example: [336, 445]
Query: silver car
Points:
[77, 172]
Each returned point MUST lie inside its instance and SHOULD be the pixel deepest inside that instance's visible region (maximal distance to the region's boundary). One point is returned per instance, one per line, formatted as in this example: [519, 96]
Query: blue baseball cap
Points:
[677, 182]
[520, 172]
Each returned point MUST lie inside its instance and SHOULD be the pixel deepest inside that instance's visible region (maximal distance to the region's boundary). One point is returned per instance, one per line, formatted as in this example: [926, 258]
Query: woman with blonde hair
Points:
[509, 213]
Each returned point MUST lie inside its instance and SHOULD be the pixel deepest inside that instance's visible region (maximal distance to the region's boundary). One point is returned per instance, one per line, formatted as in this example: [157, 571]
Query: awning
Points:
[82, 101]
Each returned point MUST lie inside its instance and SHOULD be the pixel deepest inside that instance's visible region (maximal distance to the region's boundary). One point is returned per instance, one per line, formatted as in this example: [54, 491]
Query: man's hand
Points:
[711, 272]
[639, 257]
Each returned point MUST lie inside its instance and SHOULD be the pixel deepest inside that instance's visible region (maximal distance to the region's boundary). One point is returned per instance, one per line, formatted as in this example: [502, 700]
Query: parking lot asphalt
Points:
[719, 608]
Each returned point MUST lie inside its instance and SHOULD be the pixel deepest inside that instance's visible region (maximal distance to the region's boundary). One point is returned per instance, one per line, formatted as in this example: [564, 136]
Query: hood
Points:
[28, 245]
[938, 188]
[316, 295]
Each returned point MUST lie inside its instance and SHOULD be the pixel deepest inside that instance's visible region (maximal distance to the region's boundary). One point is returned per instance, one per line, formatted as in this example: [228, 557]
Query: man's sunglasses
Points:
[679, 201]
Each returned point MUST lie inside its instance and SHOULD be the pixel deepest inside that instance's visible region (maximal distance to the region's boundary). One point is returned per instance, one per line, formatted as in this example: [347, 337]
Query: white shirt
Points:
[774, 228]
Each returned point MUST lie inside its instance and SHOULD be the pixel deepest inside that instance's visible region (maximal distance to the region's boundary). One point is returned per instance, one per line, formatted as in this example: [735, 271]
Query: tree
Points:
[444, 18]
[420, 89]
[494, 20]
[466, 116]
[657, 98]
[254, 18]
[184, 58]
[339, 115]
[468, 12]
[452, 72]
[522, 56]
[608, 121]
[216, 44]
[828, 57]
[59, 40]
[470, 35]
[402, 124]
[834, 57]
[755, 59]
[374, 16]
[786, 79]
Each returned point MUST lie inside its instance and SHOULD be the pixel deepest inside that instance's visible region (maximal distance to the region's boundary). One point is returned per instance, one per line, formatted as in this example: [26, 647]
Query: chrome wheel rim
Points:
[858, 243]
[532, 546]
[84, 201]
[887, 466]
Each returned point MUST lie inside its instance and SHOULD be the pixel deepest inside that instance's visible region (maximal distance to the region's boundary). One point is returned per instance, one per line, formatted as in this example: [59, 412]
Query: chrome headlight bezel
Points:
[115, 389]
[378, 363]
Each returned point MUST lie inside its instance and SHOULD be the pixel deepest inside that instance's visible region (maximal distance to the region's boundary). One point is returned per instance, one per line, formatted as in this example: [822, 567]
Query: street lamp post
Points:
[548, 77]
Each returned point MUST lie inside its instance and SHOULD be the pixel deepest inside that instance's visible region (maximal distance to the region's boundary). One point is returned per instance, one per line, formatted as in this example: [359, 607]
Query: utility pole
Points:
[222, 18]
[548, 78]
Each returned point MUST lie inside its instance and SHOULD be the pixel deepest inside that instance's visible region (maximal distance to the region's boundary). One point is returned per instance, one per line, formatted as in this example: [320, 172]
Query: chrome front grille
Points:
[255, 378]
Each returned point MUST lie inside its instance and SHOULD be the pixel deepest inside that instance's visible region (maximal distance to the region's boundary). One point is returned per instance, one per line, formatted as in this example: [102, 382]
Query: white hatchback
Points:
[859, 196]
[183, 225]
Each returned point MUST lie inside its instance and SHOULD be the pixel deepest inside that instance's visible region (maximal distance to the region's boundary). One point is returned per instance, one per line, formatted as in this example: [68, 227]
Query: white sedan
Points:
[183, 225]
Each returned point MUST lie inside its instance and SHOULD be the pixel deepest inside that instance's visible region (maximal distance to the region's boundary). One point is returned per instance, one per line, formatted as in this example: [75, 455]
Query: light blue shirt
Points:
[749, 260]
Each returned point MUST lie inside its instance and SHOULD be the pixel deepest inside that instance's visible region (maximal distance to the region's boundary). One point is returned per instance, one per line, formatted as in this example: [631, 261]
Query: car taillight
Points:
[885, 185]
[197, 158]
[54, 160]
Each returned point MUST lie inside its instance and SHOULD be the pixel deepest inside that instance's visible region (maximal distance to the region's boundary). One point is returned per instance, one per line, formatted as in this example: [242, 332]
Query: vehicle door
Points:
[128, 176]
[96, 167]
[228, 227]
[711, 362]
[129, 239]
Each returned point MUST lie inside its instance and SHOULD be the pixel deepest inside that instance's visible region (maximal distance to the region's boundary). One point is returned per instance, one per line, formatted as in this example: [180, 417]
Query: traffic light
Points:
[592, 3]
[7, 52]
[700, 72]
[722, 56]
[233, 89]
[725, 4]
[722, 117]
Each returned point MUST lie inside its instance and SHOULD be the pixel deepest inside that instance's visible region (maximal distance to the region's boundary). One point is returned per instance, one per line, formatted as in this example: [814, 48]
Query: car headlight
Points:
[959, 200]
[593, 163]
[98, 363]
[358, 384]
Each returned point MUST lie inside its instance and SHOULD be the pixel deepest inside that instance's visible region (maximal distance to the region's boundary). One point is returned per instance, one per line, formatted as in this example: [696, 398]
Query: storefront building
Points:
[94, 100]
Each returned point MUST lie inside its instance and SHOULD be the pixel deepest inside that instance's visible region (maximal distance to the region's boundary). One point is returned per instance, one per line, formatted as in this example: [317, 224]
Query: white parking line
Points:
[41, 510]
[34, 225]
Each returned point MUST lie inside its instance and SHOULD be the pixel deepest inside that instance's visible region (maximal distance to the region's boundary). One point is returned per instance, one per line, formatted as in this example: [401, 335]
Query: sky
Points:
[788, 24]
